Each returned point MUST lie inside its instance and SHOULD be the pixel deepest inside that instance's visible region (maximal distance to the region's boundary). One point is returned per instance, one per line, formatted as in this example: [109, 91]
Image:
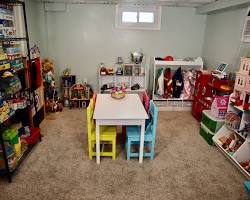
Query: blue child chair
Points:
[133, 135]
[247, 186]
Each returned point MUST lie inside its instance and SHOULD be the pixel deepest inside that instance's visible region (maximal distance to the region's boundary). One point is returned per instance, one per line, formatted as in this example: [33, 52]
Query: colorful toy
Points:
[79, 95]
[232, 120]
[118, 93]
[119, 71]
[219, 106]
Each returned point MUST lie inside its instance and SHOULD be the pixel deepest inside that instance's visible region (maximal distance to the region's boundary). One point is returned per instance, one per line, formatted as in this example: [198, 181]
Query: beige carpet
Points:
[185, 167]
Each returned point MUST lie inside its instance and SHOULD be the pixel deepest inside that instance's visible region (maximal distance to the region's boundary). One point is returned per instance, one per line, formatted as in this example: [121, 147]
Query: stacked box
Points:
[211, 122]
[209, 126]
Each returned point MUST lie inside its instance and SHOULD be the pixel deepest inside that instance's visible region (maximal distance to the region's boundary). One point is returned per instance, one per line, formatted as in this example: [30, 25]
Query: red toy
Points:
[168, 58]
[168, 83]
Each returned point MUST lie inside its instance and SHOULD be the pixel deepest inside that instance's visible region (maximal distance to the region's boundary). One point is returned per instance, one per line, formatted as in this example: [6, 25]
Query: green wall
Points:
[85, 35]
[222, 42]
[36, 25]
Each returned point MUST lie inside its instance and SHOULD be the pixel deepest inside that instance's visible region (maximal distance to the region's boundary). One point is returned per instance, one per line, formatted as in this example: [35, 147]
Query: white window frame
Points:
[139, 25]
[245, 38]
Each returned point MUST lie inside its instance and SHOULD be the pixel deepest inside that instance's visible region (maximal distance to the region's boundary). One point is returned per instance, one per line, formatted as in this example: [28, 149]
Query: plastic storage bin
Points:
[206, 134]
[34, 136]
[212, 123]
[11, 136]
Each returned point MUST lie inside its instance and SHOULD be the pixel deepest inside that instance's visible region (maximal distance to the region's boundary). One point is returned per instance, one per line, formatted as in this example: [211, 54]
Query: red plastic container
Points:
[35, 135]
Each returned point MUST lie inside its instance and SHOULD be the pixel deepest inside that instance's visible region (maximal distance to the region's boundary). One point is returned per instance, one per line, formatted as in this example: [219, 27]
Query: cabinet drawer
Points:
[212, 123]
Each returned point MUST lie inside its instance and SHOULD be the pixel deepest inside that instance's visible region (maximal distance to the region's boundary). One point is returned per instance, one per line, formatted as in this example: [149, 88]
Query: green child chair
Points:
[133, 135]
[107, 135]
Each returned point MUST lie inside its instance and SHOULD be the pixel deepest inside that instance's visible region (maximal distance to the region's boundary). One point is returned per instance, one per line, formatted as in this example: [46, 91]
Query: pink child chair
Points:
[94, 98]
[146, 101]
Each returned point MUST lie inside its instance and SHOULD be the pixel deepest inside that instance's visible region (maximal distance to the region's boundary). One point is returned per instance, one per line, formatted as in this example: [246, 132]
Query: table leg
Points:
[97, 143]
[142, 141]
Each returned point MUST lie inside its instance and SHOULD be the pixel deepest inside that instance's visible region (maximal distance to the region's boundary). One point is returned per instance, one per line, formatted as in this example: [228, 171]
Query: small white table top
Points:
[130, 107]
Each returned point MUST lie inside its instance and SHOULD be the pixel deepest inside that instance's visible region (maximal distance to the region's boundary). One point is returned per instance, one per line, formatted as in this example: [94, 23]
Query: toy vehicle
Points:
[103, 71]
[110, 71]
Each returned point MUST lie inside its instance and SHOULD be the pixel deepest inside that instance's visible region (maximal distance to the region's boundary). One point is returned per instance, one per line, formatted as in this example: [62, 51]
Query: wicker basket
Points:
[119, 96]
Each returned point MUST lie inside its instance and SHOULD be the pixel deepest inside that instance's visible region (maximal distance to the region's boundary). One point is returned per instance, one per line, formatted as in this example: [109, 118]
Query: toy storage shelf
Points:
[130, 80]
[181, 104]
[241, 155]
[24, 74]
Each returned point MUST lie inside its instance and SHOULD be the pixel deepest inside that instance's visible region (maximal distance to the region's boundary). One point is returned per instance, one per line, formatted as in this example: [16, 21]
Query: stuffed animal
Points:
[48, 71]
[168, 84]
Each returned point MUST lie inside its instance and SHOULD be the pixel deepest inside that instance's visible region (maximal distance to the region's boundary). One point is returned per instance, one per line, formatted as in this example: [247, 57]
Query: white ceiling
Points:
[180, 3]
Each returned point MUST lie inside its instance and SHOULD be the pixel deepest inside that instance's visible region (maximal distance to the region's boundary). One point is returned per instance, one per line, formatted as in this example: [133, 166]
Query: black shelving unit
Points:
[3, 125]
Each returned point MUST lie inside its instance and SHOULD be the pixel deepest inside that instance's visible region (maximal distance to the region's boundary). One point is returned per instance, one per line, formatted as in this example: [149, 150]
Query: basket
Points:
[118, 96]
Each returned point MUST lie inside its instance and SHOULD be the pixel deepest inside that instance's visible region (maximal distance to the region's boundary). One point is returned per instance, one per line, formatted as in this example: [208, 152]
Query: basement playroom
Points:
[125, 99]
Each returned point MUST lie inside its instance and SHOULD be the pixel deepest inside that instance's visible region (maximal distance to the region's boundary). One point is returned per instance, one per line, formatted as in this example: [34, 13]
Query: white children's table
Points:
[126, 111]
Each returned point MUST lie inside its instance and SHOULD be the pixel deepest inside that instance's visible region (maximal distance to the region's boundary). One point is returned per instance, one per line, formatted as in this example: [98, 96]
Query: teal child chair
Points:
[247, 186]
[133, 135]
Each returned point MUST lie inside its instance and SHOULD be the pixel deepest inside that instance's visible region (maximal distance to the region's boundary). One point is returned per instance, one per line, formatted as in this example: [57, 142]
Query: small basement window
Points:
[138, 17]
[246, 29]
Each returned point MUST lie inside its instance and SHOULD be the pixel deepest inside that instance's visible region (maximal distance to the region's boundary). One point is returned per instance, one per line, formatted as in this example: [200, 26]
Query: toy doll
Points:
[177, 83]
[168, 83]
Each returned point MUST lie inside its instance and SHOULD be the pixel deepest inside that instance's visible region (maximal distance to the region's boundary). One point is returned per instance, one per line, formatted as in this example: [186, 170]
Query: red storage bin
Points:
[35, 135]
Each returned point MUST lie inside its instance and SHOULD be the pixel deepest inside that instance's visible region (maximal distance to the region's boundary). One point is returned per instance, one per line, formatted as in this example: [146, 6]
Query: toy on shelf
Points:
[241, 95]
[68, 80]
[119, 71]
[79, 95]
[219, 106]
[232, 120]
[66, 72]
[246, 165]
[231, 144]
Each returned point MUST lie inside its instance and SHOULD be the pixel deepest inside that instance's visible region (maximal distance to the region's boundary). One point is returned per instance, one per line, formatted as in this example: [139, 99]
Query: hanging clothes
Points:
[160, 82]
[189, 82]
[168, 84]
[177, 83]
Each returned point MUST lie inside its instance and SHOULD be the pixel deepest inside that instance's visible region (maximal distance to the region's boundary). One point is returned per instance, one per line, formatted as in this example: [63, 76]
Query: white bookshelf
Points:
[173, 104]
[116, 80]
